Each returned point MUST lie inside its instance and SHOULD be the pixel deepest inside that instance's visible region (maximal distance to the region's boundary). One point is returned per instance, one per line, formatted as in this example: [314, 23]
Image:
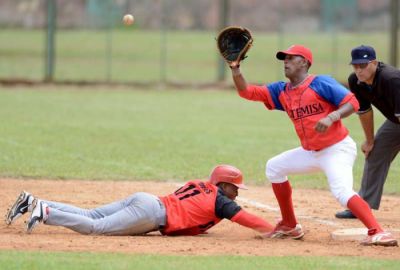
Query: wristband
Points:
[334, 116]
[236, 72]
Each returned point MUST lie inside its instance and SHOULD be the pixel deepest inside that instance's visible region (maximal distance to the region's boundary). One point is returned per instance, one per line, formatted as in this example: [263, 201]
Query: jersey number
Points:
[186, 192]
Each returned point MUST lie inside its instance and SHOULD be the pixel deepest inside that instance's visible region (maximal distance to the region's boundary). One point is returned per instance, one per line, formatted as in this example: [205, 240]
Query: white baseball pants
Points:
[336, 161]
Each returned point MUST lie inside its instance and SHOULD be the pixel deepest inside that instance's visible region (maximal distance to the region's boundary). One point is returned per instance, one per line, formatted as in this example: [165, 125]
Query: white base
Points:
[350, 234]
[357, 233]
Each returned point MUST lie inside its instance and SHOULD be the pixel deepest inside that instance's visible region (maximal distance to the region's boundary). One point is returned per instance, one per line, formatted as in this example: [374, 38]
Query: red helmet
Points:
[227, 174]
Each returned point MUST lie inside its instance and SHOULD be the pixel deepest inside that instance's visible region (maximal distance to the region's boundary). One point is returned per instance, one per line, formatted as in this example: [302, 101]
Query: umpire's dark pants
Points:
[376, 168]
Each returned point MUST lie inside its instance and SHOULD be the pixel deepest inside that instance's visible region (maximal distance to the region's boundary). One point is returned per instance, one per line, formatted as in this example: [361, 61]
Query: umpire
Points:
[375, 83]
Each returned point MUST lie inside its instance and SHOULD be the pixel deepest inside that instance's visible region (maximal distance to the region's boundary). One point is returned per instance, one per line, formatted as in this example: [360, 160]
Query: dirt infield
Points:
[314, 208]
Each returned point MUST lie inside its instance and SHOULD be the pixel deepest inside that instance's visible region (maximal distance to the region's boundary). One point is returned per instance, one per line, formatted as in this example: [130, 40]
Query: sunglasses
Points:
[361, 66]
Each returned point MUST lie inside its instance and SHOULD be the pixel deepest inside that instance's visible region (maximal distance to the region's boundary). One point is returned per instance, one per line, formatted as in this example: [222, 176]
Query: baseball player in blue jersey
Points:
[315, 104]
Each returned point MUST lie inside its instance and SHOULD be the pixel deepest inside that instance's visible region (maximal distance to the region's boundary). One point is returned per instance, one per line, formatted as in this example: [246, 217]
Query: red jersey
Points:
[306, 104]
[191, 209]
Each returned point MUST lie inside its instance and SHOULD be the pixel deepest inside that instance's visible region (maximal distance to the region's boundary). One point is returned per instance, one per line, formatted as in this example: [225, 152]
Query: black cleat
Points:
[345, 214]
[19, 208]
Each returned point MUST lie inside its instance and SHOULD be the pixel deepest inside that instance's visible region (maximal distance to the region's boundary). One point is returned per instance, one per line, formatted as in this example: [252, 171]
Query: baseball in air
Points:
[128, 19]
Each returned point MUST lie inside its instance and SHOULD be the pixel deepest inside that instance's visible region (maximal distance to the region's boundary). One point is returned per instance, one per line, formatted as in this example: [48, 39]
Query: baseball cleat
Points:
[20, 207]
[380, 239]
[283, 231]
[39, 214]
[345, 214]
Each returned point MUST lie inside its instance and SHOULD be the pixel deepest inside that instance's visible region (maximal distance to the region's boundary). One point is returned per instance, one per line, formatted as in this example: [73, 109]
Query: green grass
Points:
[59, 260]
[65, 133]
[191, 56]
[83, 133]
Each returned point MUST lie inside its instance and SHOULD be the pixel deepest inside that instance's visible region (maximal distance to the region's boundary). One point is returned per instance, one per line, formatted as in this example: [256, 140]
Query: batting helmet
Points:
[227, 174]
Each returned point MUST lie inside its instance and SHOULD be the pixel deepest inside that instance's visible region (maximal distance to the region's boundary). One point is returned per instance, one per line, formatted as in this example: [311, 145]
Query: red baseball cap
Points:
[296, 50]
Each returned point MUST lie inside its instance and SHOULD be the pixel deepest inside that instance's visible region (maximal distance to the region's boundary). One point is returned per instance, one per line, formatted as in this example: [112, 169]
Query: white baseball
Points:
[128, 19]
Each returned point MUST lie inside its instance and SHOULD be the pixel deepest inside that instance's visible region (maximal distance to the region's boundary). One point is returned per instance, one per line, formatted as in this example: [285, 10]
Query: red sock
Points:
[283, 193]
[362, 211]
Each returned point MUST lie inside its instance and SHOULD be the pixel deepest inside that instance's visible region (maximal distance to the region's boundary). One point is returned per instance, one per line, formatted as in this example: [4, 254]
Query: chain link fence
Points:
[173, 41]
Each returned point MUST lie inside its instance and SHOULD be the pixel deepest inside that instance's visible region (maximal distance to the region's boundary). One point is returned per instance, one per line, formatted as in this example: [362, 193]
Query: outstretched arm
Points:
[249, 91]
[229, 209]
[237, 77]
[254, 222]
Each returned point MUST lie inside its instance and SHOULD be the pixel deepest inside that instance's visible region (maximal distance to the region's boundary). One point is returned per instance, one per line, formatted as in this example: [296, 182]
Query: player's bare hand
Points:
[323, 124]
[234, 64]
[366, 148]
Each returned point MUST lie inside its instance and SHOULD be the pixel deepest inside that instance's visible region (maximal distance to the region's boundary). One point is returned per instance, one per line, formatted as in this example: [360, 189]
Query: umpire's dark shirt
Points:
[384, 93]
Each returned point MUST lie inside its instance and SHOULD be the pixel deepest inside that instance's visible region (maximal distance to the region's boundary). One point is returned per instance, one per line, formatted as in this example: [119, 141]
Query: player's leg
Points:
[337, 163]
[376, 167]
[145, 213]
[24, 201]
[95, 213]
[295, 161]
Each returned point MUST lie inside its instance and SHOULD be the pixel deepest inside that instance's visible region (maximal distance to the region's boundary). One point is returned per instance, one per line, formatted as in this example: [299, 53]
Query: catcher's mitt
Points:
[233, 43]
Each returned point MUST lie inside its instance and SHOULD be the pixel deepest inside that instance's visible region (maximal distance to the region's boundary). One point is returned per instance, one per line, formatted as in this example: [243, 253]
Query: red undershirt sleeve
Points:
[254, 222]
[258, 93]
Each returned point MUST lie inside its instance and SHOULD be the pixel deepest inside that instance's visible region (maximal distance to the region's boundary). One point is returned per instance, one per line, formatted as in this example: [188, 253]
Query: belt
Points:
[162, 207]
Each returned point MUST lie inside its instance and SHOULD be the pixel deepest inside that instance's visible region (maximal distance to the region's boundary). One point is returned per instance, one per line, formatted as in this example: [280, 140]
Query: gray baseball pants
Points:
[376, 167]
[137, 214]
